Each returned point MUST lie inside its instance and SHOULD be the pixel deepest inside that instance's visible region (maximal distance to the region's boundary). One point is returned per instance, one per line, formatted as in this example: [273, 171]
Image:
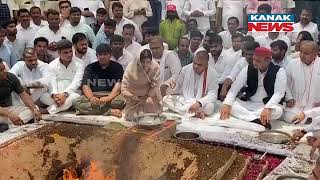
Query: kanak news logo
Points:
[270, 22]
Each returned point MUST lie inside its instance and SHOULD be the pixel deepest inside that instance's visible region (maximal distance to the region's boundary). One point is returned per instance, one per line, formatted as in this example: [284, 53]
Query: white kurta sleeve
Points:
[44, 68]
[314, 126]
[187, 8]
[279, 89]
[137, 33]
[240, 81]
[228, 68]
[149, 10]
[211, 9]
[126, 11]
[53, 77]
[289, 83]
[174, 64]
[76, 82]
[17, 70]
[311, 113]
[91, 35]
[179, 83]
[212, 91]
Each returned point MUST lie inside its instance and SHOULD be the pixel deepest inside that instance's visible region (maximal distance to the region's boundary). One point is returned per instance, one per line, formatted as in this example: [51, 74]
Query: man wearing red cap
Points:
[266, 86]
[172, 28]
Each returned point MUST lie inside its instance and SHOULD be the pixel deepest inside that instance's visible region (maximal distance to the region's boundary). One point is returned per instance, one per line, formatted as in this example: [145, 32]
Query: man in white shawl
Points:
[303, 97]
[195, 89]
[169, 62]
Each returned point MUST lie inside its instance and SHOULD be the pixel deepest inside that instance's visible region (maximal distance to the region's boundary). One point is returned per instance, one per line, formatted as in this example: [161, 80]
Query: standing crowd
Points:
[136, 56]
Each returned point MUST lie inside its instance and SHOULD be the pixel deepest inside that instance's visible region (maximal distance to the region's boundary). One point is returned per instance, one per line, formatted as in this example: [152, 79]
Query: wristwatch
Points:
[66, 94]
[304, 131]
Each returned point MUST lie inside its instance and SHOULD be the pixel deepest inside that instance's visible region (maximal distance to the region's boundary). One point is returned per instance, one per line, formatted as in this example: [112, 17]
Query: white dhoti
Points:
[36, 94]
[248, 111]
[53, 107]
[23, 112]
[179, 105]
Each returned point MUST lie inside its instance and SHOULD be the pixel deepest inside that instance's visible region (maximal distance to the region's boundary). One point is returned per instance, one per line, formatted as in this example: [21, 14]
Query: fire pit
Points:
[70, 152]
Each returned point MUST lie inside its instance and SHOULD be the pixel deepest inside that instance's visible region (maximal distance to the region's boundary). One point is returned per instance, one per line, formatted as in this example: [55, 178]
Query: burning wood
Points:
[92, 172]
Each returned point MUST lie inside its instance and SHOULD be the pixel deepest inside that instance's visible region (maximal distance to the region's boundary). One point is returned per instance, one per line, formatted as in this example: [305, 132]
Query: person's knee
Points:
[117, 104]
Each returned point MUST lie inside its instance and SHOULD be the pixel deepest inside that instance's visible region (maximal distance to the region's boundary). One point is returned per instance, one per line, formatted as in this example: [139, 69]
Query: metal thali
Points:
[149, 121]
[275, 137]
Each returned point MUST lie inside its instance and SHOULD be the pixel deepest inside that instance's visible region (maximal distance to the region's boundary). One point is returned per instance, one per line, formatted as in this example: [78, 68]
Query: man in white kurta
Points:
[264, 92]
[231, 8]
[76, 26]
[53, 32]
[129, 44]
[25, 29]
[279, 50]
[201, 10]
[119, 54]
[81, 49]
[305, 24]
[195, 89]
[137, 10]
[33, 74]
[236, 46]
[267, 39]
[66, 73]
[303, 97]
[233, 25]
[169, 62]
[248, 49]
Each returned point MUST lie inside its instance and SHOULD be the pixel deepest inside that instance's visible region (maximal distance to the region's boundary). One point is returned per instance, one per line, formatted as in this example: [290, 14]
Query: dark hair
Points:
[7, 23]
[237, 35]
[183, 38]
[153, 32]
[52, 12]
[306, 36]
[2, 30]
[235, 18]
[102, 11]
[1, 60]
[209, 31]
[196, 34]
[145, 24]
[116, 38]
[103, 48]
[129, 26]
[75, 10]
[110, 22]
[247, 38]
[250, 45]
[265, 7]
[194, 20]
[116, 4]
[280, 44]
[62, 2]
[77, 37]
[40, 39]
[64, 44]
[34, 7]
[215, 38]
[307, 8]
[24, 10]
[146, 53]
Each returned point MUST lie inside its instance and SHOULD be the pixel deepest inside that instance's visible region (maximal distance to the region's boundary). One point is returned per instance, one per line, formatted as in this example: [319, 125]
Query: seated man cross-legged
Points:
[19, 114]
[101, 86]
[196, 87]
[266, 86]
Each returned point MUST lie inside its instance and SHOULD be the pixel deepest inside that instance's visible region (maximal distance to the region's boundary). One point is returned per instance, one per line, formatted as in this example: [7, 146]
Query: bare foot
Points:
[116, 113]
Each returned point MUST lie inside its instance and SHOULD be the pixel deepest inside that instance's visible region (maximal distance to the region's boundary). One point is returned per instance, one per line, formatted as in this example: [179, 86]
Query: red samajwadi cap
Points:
[264, 52]
[171, 7]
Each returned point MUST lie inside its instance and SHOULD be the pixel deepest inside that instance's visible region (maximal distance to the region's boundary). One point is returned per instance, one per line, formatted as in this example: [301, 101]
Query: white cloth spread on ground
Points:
[189, 88]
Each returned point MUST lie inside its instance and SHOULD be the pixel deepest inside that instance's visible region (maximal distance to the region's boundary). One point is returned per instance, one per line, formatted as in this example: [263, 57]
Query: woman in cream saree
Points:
[141, 86]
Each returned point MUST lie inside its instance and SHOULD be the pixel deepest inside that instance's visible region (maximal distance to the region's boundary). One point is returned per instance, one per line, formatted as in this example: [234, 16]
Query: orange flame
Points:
[93, 172]
[70, 174]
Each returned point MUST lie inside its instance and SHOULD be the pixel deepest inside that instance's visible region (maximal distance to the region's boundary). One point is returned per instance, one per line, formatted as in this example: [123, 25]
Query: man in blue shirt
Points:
[104, 38]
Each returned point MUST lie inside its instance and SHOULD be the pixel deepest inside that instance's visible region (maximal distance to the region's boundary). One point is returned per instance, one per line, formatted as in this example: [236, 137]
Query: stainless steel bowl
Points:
[149, 121]
[291, 177]
[189, 136]
[275, 137]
